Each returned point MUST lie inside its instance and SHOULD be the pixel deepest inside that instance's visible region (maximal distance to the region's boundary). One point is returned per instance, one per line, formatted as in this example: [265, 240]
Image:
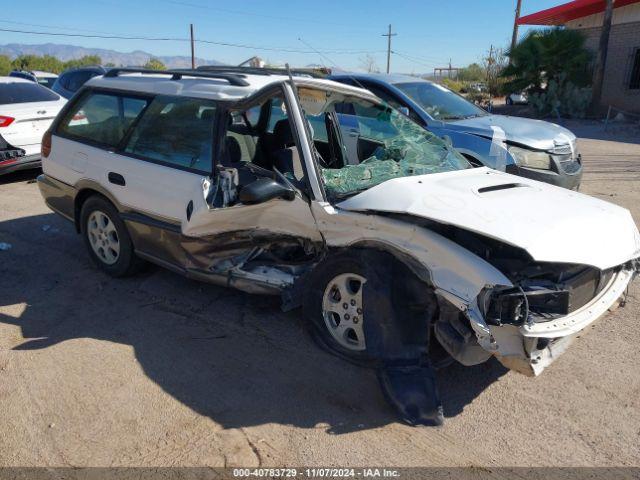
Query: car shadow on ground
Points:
[230, 356]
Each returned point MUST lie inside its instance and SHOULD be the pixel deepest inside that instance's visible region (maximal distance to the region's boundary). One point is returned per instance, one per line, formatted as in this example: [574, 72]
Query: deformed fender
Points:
[453, 271]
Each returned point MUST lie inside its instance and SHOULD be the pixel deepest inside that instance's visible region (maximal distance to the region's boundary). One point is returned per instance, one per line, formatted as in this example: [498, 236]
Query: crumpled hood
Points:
[551, 223]
[536, 134]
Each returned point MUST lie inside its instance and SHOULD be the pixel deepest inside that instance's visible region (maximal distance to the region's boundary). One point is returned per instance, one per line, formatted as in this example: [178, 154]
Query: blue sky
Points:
[429, 31]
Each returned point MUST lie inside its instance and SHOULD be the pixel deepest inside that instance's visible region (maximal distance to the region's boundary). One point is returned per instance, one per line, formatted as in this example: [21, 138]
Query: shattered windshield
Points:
[361, 144]
[440, 103]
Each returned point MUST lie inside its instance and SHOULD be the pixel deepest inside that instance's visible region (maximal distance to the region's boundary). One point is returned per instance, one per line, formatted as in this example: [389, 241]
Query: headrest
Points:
[233, 151]
[208, 114]
[283, 137]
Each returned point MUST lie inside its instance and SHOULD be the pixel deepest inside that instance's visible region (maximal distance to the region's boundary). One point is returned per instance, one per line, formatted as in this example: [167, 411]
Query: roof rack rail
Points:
[260, 70]
[234, 80]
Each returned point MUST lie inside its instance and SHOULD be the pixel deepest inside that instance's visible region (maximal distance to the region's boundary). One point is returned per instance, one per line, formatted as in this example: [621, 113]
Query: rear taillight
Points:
[45, 148]
[5, 121]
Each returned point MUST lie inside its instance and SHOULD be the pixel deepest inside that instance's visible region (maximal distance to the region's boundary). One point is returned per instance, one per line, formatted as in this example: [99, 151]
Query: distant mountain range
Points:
[70, 52]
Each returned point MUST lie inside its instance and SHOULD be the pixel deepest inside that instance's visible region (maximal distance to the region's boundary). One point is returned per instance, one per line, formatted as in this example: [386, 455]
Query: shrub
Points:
[452, 84]
[561, 98]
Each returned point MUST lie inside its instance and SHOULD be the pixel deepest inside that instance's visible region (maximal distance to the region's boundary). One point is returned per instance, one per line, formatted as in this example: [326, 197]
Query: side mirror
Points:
[263, 190]
[404, 110]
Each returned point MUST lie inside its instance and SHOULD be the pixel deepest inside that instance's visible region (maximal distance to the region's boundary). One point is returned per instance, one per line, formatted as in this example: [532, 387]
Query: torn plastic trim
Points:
[480, 327]
[534, 362]
[455, 335]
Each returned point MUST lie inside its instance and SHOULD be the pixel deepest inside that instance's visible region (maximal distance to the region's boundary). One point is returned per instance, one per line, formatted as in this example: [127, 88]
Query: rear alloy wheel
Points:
[103, 237]
[107, 238]
[343, 311]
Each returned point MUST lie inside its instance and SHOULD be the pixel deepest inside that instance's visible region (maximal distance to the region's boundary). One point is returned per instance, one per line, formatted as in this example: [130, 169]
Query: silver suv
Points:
[387, 238]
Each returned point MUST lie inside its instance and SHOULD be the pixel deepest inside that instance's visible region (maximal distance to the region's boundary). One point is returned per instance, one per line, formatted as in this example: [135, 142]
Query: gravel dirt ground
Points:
[157, 370]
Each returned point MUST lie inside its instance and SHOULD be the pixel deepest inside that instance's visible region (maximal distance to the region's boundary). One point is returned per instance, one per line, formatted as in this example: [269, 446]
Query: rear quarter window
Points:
[21, 92]
[177, 132]
[101, 118]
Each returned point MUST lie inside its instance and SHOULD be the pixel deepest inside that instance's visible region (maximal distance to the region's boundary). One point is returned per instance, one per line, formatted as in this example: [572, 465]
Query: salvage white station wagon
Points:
[392, 244]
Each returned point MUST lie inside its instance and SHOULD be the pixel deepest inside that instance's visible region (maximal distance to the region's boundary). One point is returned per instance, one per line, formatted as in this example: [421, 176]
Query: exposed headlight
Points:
[530, 158]
[501, 306]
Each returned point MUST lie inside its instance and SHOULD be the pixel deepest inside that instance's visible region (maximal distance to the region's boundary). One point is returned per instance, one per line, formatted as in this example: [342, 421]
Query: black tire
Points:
[508, 101]
[394, 323]
[127, 263]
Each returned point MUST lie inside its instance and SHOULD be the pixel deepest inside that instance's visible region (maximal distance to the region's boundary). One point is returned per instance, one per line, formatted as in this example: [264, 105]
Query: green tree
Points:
[472, 73]
[25, 62]
[46, 63]
[155, 64]
[84, 61]
[5, 65]
[544, 55]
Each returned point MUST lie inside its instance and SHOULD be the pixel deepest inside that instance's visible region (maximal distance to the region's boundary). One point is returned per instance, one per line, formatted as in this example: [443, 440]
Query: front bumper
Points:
[557, 178]
[530, 348]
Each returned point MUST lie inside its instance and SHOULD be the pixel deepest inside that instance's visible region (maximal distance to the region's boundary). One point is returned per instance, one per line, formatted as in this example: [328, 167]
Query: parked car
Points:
[518, 98]
[70, 81]
[478, 87]
[384, 234]
[46, 79]
[26, 112]
[529, 148]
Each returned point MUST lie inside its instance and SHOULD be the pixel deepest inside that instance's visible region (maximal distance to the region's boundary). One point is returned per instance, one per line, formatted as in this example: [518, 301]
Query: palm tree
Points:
[545, 55]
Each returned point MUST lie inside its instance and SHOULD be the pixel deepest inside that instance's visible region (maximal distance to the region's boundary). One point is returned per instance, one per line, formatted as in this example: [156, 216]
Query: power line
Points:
[111, 37]
[176, 39]
[419, 60]
[54, 27]
[259, 15]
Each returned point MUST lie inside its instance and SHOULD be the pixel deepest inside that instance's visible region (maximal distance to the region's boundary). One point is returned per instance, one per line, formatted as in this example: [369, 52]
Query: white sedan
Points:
[26, 112]
[517, 98]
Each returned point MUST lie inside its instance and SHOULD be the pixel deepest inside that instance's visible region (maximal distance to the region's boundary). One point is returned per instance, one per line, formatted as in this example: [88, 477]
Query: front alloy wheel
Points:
[343, 311]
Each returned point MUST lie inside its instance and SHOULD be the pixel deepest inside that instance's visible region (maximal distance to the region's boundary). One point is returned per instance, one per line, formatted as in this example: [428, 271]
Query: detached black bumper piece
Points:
[413, 392]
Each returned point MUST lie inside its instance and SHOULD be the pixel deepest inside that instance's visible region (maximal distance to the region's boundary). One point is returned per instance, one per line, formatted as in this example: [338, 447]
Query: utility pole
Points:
[193, 52]
[601, 59]
[389, 35]
[514, 38]
[490, 77]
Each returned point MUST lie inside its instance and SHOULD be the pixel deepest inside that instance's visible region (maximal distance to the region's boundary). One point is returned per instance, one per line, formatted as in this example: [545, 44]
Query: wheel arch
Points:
[85, 190]
[420, 270]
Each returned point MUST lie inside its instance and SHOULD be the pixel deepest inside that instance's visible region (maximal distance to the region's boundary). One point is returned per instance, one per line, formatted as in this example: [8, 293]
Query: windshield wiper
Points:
[451, 117]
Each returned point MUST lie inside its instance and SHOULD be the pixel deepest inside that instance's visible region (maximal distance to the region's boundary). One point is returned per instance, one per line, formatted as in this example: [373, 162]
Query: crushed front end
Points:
[528, 325]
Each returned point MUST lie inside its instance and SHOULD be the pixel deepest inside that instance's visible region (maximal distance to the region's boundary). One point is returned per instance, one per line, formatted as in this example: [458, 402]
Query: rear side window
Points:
[22, 92]
[78, 79]
[175, 131]
[102, 118]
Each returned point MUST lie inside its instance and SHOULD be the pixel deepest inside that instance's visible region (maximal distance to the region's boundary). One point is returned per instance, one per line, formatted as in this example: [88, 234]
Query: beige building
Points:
[621, 87]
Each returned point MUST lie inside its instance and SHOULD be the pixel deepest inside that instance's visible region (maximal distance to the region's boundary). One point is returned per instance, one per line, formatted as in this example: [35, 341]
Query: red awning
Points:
[569, 11]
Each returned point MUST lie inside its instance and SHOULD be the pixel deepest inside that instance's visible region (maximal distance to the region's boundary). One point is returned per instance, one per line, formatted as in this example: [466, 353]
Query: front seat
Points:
[284, 153]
